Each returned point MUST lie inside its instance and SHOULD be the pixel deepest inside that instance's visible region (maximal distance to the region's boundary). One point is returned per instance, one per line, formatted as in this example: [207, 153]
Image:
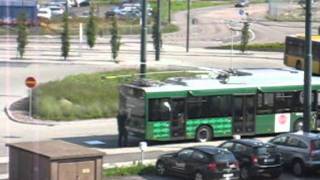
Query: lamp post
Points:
[307, 69]
[158, 30]
[188, 26]
[143, 39]
[169, 11]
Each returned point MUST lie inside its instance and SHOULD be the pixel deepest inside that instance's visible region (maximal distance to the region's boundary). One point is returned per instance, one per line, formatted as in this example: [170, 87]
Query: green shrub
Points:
[132, 170]
[274, 47]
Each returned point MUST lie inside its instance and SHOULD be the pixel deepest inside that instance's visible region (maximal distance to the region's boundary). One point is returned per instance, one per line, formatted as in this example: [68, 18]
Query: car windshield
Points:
[224, 157]
[316, 144]
[265, 150]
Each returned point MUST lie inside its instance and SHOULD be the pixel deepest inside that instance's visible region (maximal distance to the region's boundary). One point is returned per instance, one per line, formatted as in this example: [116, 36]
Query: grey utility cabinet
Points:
[53, 160]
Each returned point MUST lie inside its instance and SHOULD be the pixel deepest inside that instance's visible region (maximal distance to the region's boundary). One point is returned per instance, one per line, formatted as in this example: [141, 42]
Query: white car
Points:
[56, 10]
[44, 13]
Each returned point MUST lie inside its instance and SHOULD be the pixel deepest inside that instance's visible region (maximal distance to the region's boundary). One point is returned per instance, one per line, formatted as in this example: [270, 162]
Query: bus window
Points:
[284, 101]
[219, 106]
[159, 110]
[196, 107]
[265, 103]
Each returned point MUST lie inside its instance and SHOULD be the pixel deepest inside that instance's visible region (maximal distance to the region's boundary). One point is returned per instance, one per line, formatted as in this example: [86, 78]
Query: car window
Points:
[266, 150]
[199, 156]
[185, 154]
[224, 156]
[240, 148]
[279, 140]
[295, 142]
[228, 145]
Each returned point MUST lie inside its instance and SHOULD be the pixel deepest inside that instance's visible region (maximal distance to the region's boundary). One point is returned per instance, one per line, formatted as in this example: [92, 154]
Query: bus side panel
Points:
[222, 127]
[158, 131]
[265, 124]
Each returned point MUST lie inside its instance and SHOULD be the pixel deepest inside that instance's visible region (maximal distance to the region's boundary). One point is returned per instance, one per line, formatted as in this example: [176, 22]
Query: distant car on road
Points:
[255, 157]
[301, 151]
[199, 163]
[242, 3]
[44, 13]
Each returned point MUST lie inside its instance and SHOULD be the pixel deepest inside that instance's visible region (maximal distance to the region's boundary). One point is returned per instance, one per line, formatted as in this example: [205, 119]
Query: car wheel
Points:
[244, 173]
[198, 176]
[204, 134]
[160, 168]
[298, 168]
[298, 125]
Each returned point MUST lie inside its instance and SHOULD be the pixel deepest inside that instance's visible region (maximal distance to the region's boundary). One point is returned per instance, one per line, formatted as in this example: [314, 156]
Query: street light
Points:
[143, 39]
[188, 26]
[307, 68]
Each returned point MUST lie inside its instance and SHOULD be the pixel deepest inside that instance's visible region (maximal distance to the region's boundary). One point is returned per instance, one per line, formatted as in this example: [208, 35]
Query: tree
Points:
[91, 28]
[156, 36]
[22, 39]
[65, 39]
[115, 38]
[244, 37]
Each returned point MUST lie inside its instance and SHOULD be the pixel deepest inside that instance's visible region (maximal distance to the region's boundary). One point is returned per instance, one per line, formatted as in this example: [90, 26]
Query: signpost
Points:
[30, 82]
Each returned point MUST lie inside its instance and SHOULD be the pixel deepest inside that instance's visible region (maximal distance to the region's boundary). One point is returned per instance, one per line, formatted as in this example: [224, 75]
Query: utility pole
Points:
[169, 11]
[158, 30]
[143, 39]
[307, 69]
[188, 26]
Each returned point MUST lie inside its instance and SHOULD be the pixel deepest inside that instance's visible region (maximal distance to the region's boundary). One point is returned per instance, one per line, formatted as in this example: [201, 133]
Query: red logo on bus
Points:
[282, 119]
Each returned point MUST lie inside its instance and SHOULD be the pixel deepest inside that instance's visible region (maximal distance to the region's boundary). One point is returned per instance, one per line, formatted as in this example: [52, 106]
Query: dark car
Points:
[255, 157]
[200, 163]
[242, 3]
[300, 151]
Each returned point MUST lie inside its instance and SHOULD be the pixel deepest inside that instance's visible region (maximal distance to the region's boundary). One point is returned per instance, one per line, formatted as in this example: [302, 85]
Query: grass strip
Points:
[273, 47]
[129, 171]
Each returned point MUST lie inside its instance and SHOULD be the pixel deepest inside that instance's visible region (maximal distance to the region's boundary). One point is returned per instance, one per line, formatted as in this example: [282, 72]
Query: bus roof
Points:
[264, 80]
[301, 36]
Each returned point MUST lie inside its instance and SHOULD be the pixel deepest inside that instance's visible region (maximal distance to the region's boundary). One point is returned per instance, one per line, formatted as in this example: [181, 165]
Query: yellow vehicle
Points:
[295, 52]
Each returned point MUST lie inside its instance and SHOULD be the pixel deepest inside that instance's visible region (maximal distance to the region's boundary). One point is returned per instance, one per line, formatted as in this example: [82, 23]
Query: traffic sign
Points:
[30, 82]
[241, 12]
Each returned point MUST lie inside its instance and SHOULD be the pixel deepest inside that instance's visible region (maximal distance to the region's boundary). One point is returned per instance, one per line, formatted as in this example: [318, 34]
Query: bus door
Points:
[244, 112]
[178, 118]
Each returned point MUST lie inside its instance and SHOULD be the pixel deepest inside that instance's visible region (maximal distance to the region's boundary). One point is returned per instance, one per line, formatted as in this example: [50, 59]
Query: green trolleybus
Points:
[245, 102]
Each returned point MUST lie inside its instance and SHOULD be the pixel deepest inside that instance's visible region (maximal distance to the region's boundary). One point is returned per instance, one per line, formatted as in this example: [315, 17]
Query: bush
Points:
[274, 47]
[132, 170]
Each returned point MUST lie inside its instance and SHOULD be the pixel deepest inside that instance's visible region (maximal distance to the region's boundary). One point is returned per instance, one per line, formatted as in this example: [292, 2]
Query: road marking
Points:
[4, 160]
[94, 142]
[4, 176]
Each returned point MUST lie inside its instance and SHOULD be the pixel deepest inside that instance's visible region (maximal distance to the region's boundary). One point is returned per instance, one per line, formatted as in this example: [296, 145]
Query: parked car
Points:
[301, 151]
[255, 157]
[242, 3]
[84, 3]
[44, 13]
[56, 9]
[199, 162]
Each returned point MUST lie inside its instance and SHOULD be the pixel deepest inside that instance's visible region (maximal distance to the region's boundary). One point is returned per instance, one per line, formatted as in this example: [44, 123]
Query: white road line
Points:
[4, 176]
[4, 160]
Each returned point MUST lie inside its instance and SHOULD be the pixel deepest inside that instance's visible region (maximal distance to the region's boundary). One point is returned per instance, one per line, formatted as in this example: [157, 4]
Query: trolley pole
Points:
[188, 26]
[307, 69]
[158, 30]
[143, 39]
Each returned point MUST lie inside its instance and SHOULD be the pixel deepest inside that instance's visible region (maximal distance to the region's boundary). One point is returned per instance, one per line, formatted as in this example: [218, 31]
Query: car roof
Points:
[212, 150]
[304, 135]
[250, 142]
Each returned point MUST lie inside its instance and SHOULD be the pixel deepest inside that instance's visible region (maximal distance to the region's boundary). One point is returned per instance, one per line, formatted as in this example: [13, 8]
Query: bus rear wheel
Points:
[204, 134]
[298, 125]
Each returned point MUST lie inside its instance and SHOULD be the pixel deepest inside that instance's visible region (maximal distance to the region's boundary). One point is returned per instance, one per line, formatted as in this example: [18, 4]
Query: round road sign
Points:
[30, 82]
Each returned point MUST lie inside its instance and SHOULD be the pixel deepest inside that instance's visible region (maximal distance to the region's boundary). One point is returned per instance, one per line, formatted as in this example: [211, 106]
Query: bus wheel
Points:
[298, 65]
[298, 125]
[204, 134]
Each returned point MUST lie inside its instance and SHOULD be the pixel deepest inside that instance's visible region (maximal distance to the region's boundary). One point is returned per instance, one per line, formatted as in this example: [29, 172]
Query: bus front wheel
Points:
[204, 134]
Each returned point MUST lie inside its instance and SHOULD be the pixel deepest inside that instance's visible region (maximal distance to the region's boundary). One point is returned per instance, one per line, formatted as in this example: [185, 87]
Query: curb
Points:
[42, 122]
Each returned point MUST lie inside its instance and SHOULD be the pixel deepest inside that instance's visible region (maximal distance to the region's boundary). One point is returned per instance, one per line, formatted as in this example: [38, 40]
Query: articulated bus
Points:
[248, 102]
[295, 49]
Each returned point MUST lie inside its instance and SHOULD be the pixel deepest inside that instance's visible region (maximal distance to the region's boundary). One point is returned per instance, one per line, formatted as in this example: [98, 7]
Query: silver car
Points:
[300, 151]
